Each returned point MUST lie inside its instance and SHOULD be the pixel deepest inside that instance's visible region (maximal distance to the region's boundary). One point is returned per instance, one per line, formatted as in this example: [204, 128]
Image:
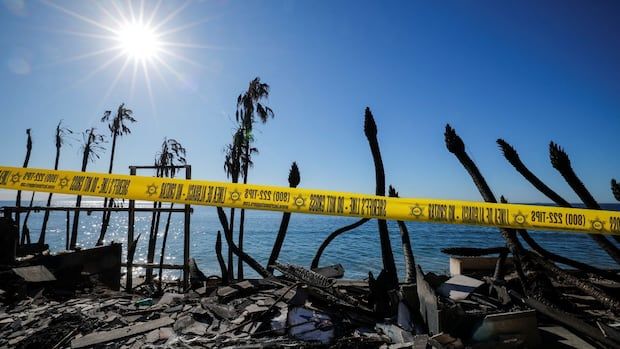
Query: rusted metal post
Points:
[186, 237]
[130, 231]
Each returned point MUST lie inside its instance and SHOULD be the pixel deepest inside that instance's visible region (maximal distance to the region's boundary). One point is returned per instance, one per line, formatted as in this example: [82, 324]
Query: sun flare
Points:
[139, 41]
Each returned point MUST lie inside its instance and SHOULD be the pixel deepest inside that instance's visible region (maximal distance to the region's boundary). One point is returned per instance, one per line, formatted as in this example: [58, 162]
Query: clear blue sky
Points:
[527, 71]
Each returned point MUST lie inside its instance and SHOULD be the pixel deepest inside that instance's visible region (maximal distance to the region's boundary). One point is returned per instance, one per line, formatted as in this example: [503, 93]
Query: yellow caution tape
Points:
[323, 202]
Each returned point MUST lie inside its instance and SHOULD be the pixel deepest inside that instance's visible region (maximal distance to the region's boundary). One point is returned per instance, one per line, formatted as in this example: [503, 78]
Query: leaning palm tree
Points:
[513, 158]
[249, 110]
[18, 199]
[293, 182]
[561, 162]
[172, 154]
[91, 147]
[232, 167]
[117, 125]
[61, 133]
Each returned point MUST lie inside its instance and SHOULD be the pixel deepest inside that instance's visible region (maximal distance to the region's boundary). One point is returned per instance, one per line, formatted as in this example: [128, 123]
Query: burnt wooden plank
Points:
[120, 333]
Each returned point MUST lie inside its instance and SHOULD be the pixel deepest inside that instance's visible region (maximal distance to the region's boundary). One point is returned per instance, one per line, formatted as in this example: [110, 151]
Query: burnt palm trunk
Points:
[513, 158]
[370, 130]
[561, 162]
[46, 216]
[455, 145]
[244, 257]
[317, 257]
[105, 218]
[230, 269]
[150, 253]
[163, 245]
[18, 198]
[78, 200]
[242, 214]
[293, 182]
[406, 242]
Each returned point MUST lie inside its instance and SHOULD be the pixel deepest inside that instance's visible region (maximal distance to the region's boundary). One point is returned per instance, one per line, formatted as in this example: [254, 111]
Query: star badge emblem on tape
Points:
[151, 189]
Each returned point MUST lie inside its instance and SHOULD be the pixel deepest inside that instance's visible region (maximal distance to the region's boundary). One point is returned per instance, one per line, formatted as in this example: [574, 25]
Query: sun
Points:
[139, 41]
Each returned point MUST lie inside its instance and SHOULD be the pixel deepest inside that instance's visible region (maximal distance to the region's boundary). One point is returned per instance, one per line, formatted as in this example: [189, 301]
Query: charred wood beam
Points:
[246, 258]
[561, 162]
[567, 320]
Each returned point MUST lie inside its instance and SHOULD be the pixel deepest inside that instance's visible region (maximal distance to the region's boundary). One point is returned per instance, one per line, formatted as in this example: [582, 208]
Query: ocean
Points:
[358, 250]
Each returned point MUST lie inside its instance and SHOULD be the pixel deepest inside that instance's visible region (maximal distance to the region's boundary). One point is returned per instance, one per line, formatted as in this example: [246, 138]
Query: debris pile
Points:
[299, 308]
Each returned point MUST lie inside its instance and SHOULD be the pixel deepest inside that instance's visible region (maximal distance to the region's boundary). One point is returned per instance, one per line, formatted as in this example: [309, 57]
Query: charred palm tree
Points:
[615, 189]
[18, 198]
[293, 182]
[246, 258]
[178, 158]
[172, 154]
[232, 167]
[513, 158]
[118, 127]
[91, 147]
[61, 133]
[455, 145]
[537, 285]
[249, 110]
[406, 242]
[389, 267]
[561, 162]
